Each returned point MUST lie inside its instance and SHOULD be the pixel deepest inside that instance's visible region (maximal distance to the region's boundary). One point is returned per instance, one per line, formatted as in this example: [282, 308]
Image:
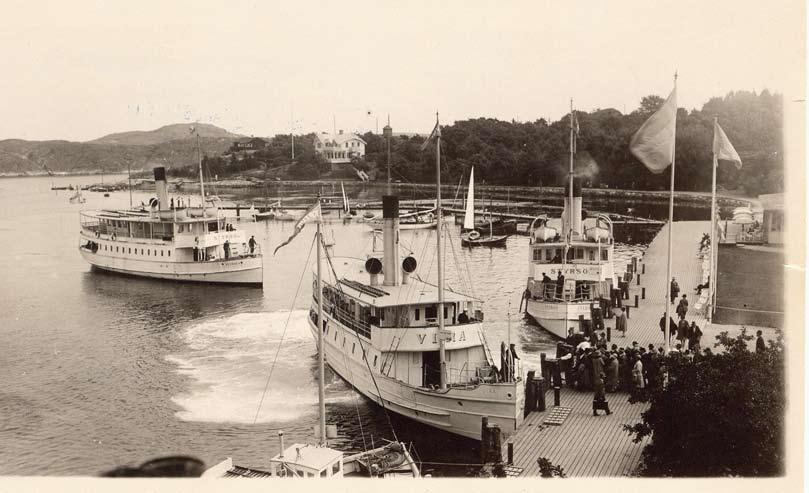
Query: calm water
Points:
[101, 371]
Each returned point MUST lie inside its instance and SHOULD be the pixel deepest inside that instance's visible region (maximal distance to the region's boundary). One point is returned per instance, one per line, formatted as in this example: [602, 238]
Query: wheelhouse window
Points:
[605, 255]
[417, 313]
[431, 312]
[580, 254]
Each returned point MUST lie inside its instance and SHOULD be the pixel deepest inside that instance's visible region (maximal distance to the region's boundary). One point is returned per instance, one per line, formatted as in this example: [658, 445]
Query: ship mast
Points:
[441, 338]
[321, 389]
[201, 182]
[570, 185]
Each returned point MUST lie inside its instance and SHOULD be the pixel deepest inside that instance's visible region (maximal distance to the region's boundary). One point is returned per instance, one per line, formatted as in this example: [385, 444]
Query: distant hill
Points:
[170, 146]
[168, 133]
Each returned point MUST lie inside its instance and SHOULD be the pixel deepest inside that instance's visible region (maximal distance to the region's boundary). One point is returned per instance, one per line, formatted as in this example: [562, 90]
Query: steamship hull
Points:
[245, 271]
[556, 318]
[457, 410]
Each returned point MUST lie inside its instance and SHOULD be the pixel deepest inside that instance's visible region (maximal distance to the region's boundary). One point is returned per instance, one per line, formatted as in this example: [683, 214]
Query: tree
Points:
[719, 415]
[650, 104]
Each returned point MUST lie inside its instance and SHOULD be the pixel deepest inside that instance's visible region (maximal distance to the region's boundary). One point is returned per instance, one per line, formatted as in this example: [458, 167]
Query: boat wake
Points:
[228, 361]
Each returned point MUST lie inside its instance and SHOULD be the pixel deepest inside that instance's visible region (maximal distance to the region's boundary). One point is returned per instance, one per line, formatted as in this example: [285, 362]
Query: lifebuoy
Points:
[474, 235]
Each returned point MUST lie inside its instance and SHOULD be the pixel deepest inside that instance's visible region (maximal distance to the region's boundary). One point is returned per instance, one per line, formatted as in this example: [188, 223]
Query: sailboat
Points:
[321, 461]
[77, 198]
[472, 237]
[349, 214]
[413, 347]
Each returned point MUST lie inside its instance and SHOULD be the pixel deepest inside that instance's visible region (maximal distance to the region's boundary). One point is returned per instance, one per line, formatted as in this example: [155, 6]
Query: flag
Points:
[653, 143]
[435, 133]
[312, 214]
[575, 130]
[722, 148]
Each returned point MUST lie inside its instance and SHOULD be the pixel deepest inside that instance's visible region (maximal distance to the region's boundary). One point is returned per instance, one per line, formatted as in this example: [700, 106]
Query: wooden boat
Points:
[472, 237]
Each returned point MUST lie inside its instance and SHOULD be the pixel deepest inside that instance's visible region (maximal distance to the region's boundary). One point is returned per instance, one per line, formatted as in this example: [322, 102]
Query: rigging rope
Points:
[286, 325]
[364, 354]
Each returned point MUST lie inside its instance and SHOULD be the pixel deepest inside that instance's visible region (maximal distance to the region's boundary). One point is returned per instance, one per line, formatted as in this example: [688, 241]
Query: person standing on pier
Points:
[682, 331]
[637, 376]
[252, 244]
[694, 337]
[682, 308]
[599, 397]
[675, 289]
[612, 373]
[672, 326]
[620, 322]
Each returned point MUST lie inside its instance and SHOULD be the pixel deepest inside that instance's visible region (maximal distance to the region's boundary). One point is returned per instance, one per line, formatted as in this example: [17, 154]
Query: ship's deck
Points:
[355, 282]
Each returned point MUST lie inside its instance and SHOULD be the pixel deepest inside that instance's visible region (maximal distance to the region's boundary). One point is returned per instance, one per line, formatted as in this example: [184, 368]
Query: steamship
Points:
[581, 251]
[409, 349]
[166, 241]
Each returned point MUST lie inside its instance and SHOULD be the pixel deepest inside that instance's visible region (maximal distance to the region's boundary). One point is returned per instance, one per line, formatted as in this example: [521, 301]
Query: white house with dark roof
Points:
[340, 148]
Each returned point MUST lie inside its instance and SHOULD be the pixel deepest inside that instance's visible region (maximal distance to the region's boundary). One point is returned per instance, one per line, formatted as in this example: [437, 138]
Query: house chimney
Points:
[572, 212]
[390, 239]
[160, 186]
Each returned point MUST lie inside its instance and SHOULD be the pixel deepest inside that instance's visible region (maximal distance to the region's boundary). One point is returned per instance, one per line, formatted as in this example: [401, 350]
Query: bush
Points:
[720, 414]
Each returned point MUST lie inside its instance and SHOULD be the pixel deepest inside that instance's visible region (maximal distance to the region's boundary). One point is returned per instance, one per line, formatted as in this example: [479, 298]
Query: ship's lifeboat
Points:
[601, 231]
[543, 232]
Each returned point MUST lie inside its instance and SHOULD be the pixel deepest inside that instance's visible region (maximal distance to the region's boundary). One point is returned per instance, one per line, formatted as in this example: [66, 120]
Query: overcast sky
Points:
[79, 70]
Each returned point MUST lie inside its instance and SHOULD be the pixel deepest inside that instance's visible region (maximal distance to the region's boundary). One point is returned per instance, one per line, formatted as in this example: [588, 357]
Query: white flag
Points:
[312, 214]
[653, 143]
[722, 148]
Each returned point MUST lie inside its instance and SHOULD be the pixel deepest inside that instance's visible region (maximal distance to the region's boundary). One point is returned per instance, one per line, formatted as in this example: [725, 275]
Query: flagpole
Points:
[321, 387]
[441, 343]
[671, 220]
[714, 246]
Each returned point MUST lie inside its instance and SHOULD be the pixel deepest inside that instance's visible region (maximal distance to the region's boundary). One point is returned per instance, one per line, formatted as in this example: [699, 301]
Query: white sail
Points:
[346, 207]
[469, 216]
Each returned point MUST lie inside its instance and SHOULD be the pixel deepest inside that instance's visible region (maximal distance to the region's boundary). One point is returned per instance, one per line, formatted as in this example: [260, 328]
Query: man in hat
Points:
[252, 244]
[682, 308]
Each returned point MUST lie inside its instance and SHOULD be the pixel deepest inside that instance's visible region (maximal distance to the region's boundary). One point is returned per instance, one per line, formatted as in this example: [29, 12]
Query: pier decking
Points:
[586, 445]
[583, 445]
[643, 324]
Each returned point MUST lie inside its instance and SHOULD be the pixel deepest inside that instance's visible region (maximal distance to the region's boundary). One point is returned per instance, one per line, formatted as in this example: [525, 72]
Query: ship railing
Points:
[548, 291]
[345, 317]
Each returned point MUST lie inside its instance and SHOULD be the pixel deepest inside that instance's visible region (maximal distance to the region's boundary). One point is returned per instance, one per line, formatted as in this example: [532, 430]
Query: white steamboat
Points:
[164, 241]
[570, 269]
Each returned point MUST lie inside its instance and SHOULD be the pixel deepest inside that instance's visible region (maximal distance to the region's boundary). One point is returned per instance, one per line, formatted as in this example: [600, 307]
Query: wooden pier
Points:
[583, 445]
[588, 446]
[643, 324]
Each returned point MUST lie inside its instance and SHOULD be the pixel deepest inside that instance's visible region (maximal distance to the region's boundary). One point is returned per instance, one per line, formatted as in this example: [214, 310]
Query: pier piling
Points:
[627, 311]
[643, 292]
[510, 456]
[636, 301]
[643, 269]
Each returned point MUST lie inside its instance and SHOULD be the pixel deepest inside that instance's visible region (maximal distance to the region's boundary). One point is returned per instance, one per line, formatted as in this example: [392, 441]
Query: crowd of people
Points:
[605, 368]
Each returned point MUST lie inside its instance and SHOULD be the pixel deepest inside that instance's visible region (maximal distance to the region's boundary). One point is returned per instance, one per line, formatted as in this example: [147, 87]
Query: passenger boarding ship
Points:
[384, 339]
[165, 242]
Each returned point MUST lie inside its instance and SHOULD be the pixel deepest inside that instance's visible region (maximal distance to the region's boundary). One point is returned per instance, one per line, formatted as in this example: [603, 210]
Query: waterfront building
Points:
[773, 205]
[339, 148]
